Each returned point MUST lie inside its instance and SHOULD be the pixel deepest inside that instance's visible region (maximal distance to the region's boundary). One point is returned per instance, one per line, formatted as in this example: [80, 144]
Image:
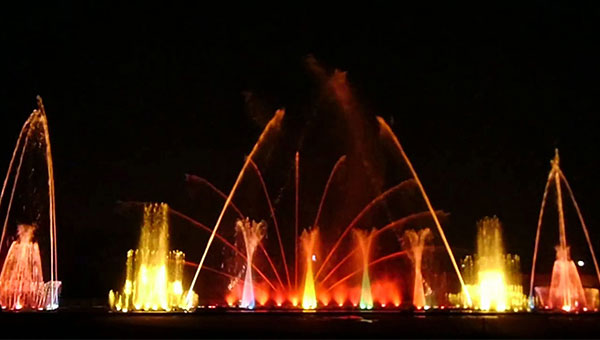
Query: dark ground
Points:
[221, 324]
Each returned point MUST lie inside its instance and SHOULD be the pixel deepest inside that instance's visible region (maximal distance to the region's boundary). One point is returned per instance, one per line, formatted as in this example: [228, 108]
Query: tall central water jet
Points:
[364, 240]
[309, 240]
[253, 233]
[491, 273]
[414, 242]
[154, 275]
[566, 291]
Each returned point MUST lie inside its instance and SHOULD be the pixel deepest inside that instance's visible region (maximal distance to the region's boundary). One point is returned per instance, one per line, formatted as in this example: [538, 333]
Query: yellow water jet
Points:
[154, 274]
[309, 239]
[492, 276]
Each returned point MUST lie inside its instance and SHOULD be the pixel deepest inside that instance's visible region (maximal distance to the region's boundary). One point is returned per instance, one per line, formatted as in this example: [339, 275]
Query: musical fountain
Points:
[29, 222]
[566, 291]
[371, 191]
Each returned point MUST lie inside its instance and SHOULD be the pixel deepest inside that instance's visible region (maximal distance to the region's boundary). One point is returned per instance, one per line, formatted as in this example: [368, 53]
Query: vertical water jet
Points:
[309, 240]
[154, 274]
[253, 233]
[566, 291]
[493, 277]
[414, 242]
[364, 240]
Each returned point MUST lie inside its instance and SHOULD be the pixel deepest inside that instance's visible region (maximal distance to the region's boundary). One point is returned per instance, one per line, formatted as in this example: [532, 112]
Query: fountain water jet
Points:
[154, 275]
[21, 280]
[369, 185]
[253, 233]
[309, 239]
[414, 242]
[566, 291]
[274, 123]
[493, 277]
[364, 240]
[387, 131]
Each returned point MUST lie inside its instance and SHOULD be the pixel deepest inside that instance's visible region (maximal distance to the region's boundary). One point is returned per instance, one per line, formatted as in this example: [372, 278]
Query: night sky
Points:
[138, 96]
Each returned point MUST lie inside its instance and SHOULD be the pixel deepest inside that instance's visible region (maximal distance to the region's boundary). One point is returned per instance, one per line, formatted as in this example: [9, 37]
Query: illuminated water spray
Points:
[387, 131]
[566, 291]
[368, 179]
[493, 277]
[22, 284]
[253, 233]
[273, 125]
[414, 242]
[309, 239]
[490, 274]
[154, 274]
[364, 240]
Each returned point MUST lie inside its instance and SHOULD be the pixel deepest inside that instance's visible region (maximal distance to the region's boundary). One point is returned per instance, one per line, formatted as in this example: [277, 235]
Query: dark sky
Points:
[138, 96]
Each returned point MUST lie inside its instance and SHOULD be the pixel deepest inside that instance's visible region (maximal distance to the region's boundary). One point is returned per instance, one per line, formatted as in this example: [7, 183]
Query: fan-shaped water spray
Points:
[29, 221]
[566, 291]
[336, 171]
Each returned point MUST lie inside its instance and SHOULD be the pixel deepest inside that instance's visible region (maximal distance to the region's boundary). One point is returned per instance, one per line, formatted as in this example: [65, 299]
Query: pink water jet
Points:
[414, 242]
[566, 291]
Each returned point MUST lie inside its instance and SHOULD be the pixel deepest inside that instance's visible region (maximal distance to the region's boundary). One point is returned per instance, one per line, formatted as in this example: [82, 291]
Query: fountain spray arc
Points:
[361, 146]
[566, 291]
[274, 123]
[386, 130]
[22, 284]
